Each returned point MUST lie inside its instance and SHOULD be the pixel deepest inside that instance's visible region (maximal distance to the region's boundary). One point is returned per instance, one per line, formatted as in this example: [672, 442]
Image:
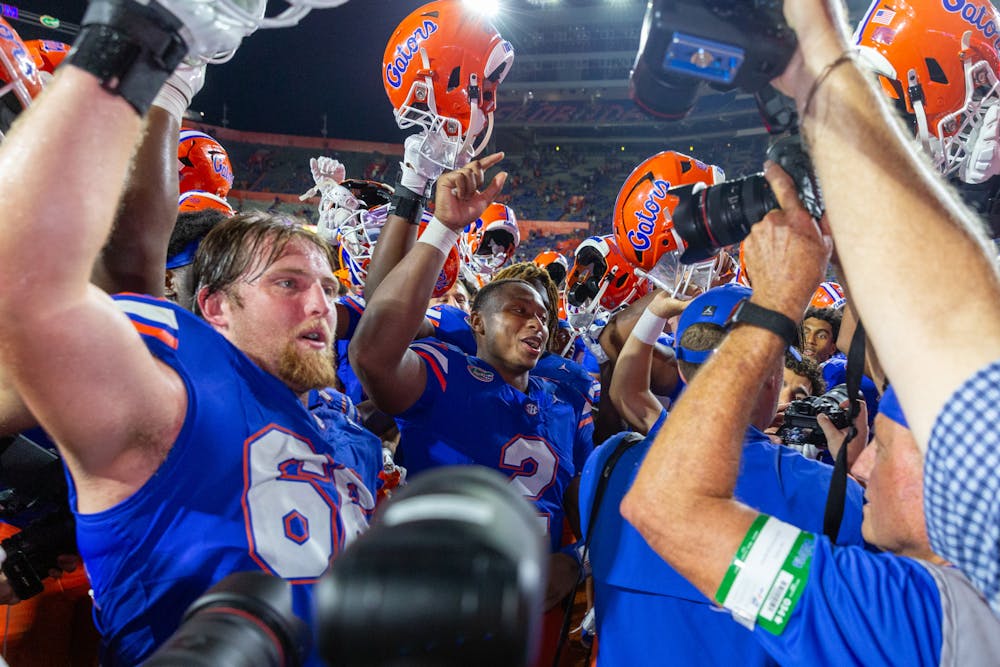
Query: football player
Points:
[487, 409]
[153, 408]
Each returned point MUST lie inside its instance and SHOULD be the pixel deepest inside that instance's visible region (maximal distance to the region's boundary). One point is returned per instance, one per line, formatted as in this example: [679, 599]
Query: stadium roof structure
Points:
[569, 83]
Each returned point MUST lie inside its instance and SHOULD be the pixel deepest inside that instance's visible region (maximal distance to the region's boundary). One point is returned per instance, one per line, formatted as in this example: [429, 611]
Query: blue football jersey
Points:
[468, 415]
[251, 483]
[451, 325]
[643, 606]
[354, 447]
[354, 306]
[581, 390]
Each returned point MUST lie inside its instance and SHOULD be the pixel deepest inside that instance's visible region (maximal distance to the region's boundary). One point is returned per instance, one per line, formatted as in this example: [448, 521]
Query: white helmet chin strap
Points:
[918, 110]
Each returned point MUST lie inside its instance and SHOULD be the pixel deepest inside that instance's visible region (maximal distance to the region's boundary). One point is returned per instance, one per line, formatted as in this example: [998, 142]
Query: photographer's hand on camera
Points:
[66, 563]
[835, 436]
[7, 594]
[786, 252]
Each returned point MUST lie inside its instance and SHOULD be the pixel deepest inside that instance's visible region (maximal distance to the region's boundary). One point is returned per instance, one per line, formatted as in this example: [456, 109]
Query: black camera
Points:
[34, 498]
[687, 45]
[800, 426]
[245, 620]
[710, 217]
[451, 573]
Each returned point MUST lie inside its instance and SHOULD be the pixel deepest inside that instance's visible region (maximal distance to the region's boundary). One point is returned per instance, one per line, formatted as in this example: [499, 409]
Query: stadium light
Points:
[488, 8]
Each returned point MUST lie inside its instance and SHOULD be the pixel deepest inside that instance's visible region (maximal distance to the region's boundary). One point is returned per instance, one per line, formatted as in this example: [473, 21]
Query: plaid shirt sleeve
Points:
[962, 482]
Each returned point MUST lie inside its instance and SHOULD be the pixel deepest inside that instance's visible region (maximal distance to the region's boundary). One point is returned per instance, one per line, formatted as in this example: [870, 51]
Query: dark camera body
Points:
[450, 574]
[712, 217]
[687, 45]
[800, 426]
[35, 498]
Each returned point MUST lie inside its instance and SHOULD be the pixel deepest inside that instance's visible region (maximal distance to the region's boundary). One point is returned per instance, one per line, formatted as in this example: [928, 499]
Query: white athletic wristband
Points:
[172, 100]
[439, 236]
[649, 327]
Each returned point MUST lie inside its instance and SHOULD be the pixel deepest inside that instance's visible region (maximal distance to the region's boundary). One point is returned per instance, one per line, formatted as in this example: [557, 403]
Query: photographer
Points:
[643, 606]
[821, 604]
[862, 155]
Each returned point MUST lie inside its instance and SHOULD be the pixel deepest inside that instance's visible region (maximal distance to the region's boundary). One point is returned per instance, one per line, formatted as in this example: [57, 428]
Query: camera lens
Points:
[712, 217]
[245, 620]
[662, 95]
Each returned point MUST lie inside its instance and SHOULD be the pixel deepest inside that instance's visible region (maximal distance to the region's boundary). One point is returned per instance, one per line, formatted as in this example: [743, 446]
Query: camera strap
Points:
[628, 440]
[837, 495]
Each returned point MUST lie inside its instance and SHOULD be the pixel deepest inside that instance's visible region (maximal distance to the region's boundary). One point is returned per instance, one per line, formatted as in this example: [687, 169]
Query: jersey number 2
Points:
[534, 466]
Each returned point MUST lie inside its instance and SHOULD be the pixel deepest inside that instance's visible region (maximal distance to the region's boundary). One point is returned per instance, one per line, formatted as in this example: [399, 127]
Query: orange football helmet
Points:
[555, 263]
[47, 54]
[642, 217]
[488, 244]
[452, 263]
[441, 69]
[601, 279]
[938, 60]
[20, 78]
[828, 295]
[742, 276]
[203, 164]
[195, 200]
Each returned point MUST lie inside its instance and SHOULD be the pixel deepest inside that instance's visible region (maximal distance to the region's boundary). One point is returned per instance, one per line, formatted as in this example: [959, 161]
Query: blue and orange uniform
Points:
[250, 483]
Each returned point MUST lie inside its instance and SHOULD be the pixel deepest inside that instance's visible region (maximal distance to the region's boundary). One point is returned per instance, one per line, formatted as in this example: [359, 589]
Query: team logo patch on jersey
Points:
[531, 408]
[480, 374]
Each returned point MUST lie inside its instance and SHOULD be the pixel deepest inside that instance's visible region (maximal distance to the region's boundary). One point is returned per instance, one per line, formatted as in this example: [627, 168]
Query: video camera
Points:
[451, 573]
[688, 45]
[800, 426]
[686, 48]
[34, 497]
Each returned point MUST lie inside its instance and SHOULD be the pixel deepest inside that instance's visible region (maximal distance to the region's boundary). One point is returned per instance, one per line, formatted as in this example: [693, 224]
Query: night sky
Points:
[284, 80]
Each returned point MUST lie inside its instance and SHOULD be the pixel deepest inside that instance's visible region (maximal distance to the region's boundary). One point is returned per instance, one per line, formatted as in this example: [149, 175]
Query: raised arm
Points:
[682, 499]
[392, 374]
[630, 384]
[888, 250]
[134, 257]
[74, 359]
[417, 176]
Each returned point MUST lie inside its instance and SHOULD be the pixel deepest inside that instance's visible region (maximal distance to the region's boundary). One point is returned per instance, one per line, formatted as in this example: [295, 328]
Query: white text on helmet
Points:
[406, 51]
[652, 207]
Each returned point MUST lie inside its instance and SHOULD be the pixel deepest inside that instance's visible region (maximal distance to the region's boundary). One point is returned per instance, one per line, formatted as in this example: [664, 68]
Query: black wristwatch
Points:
[758, 316]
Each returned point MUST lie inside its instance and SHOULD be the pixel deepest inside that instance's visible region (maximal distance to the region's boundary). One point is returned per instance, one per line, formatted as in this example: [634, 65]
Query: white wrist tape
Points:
[438, 235]
[649, 327]
[172, 100]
